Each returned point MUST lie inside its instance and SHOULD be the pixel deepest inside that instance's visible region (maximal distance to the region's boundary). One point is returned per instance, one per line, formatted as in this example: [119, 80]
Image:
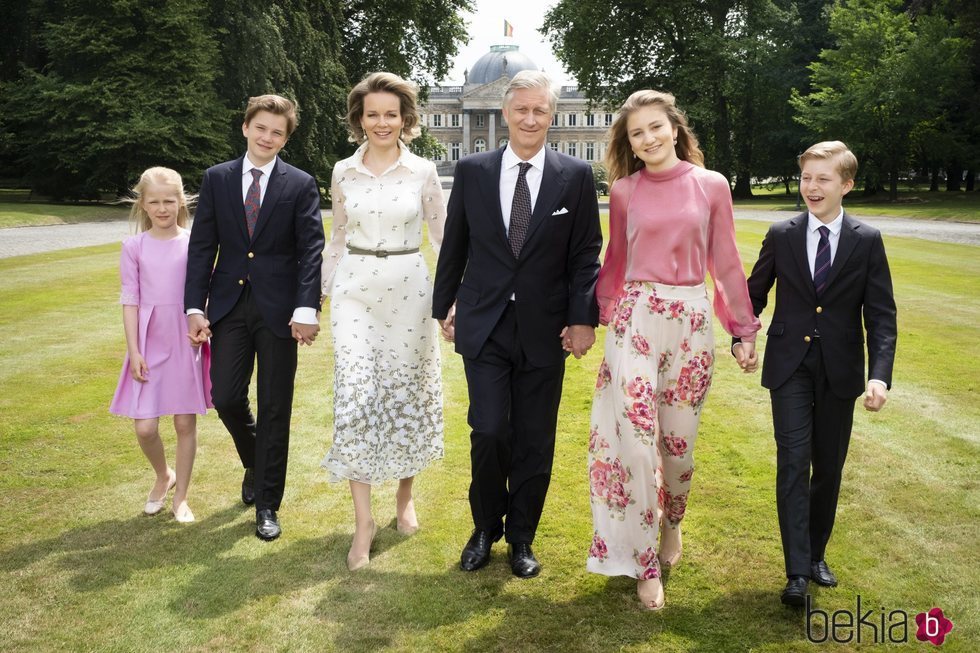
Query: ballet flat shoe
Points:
[154, 506]
[184, 516]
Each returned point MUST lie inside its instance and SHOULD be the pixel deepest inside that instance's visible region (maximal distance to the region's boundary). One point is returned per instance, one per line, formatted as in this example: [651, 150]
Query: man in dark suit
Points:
[515, 288]
[260, 218]
[829, 270]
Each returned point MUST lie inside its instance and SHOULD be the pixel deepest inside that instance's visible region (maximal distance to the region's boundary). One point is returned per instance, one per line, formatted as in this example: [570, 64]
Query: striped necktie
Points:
[821, 266]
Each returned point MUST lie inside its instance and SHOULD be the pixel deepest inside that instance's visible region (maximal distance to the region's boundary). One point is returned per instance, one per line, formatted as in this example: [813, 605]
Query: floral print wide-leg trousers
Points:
[659, 355]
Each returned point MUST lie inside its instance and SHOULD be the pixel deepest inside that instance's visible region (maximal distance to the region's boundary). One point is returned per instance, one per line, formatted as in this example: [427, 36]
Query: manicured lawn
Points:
[918, 203]
[26, 214]
[84, 570]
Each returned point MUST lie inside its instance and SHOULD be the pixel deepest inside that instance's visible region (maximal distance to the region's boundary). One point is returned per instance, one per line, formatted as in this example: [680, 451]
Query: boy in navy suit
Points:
[254, 264]
[832, 272]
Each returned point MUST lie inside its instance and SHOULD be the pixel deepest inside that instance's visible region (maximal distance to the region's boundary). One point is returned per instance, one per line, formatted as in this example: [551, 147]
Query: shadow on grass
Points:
[492, 611]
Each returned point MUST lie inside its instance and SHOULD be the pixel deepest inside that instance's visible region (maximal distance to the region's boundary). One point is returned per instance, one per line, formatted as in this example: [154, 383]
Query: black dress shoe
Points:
[821, 574]
[476, 553]
[267, 525]
[795, 592]
[248, 488]
[522, 561]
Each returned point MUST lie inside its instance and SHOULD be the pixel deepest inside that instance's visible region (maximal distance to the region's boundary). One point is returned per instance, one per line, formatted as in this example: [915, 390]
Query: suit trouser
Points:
[813, 429]
[238, 339]
[513, 416]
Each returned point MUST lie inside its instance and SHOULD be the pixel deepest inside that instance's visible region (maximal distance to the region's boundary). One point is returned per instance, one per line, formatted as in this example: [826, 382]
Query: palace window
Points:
[480, 119]
[480, 145]
[608, 119]
[454, 151]
[437, 120]
[572, 119]
[590, 120]
[454, 120]
[571, 149]
[554, 119]
[590, 151]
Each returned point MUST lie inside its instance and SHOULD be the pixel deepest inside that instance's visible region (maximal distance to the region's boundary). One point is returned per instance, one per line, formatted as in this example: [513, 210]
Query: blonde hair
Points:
[847, 163]
[620, 160]
[532, 79]
[276, 104]
[382, 82]
[160, 177]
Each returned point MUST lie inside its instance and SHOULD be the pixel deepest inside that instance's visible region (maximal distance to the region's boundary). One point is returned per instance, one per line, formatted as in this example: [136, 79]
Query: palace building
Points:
[467, 119]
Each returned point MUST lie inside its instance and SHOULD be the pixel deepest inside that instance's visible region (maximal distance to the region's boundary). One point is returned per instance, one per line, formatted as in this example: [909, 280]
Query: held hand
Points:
[138, 368]
[875, 397]
[448, 326]
[746, 356]
[304, 334]
[577, 339]
[198, 329]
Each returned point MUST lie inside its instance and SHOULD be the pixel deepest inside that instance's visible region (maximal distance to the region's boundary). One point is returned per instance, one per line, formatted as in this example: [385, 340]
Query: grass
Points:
[15, 213]
[911, 203]
[83, 570]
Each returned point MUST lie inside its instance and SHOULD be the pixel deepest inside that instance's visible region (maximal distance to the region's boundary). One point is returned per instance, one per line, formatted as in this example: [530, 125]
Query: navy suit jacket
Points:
[859, 290]
[281, 261]
[554, 278]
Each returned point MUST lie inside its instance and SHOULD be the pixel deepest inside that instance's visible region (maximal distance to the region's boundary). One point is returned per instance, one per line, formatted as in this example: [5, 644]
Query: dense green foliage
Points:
[92, 92]
[762, 79]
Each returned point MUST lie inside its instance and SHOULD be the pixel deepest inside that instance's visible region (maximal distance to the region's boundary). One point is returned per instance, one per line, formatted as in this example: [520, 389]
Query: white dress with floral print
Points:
[388, 420]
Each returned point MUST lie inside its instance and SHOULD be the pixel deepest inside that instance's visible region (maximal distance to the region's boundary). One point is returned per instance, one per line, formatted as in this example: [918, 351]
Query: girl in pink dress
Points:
[670, 223]
[164, 372]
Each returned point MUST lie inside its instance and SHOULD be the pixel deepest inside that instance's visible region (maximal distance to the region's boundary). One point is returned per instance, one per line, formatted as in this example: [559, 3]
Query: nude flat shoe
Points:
[154, 506]
[359, 562]
[404, 527]
[651, 594]
[183, 514]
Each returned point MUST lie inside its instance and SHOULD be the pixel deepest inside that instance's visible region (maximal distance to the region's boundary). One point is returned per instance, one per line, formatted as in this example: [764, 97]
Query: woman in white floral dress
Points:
[670, 223]
[387, 377]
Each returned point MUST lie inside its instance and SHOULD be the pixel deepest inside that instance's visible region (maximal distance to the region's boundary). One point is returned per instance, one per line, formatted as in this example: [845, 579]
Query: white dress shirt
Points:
[509, 171]
[813, 238]
[247, 167]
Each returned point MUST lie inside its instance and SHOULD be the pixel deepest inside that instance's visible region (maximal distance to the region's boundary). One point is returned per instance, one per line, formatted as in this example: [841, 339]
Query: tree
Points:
[411, 38]
[426, 146]
[731, 64]
[126, 85]
[888, 81]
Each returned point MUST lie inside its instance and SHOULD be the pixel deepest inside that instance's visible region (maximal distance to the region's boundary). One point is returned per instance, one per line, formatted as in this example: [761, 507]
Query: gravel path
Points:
[16, 241]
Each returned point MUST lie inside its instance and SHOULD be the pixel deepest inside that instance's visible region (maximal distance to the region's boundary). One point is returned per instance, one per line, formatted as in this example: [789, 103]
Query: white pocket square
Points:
[561, 211]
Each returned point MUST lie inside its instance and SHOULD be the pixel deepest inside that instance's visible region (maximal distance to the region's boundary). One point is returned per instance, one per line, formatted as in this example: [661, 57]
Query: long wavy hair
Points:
[621, 162]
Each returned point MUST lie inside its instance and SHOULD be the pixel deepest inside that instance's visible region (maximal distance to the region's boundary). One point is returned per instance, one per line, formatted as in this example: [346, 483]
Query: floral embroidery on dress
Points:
[674, 445]
[640, 345]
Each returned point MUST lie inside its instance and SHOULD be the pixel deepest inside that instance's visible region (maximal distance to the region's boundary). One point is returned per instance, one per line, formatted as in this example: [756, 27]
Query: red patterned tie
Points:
[253, 201]
[520, 212]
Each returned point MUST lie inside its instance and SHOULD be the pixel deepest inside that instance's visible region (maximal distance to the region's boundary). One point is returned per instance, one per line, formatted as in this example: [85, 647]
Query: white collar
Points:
[814, 223]
[266, 169]
[511, 159]
[405, 159]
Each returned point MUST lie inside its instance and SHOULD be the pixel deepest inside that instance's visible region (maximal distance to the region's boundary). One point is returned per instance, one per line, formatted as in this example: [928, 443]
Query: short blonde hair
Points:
[273, 104]
[847, 163]
[533, 79]
[160, 177]
[382, 82]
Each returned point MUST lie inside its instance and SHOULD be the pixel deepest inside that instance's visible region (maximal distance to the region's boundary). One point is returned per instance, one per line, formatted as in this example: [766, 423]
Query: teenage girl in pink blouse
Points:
[670, 223]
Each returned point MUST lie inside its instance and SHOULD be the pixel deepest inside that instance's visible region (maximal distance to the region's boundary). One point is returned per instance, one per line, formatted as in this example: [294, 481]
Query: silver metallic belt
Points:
[380, 253]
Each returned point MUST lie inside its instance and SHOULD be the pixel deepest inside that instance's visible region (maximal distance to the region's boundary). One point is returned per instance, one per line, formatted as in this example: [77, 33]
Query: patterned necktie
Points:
[520, 212]
[253, 201]
[821, 266]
